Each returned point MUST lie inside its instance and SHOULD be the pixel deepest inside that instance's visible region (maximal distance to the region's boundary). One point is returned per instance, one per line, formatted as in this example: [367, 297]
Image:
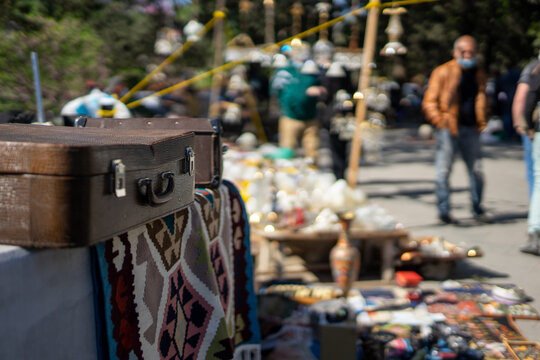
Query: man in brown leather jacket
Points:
[455, 103]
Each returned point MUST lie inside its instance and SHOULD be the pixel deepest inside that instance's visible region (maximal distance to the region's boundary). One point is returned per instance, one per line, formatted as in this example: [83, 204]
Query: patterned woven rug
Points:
[181, 287]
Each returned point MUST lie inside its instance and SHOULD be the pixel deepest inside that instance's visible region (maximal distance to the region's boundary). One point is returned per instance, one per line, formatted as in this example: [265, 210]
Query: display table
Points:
[177, 287]
[448, 320]
[273, 244]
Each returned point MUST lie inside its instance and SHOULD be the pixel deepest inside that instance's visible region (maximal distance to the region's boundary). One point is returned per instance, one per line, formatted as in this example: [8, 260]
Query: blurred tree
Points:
[117, 37]
[69, 53]
[20, 15]
[507, 31]
[199, 57]
[128, 35]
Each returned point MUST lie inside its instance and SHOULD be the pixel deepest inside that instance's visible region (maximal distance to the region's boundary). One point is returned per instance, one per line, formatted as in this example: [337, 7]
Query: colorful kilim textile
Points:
[182, 287]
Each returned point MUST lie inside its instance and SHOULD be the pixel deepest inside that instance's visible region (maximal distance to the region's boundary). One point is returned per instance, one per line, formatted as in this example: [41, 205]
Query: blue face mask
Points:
[467, 63]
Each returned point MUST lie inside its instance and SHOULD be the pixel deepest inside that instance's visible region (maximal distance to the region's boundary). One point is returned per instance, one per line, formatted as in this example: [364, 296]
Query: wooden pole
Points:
[363, 84]
[218, 59]
[269, 37]
[324, 9]
[353, 41]
[297, 10]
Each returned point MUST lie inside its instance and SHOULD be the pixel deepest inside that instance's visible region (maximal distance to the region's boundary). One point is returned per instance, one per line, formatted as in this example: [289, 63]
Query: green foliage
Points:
[187, 13]
[95, 39]
[68, 53]
[506, 31]
[128, 36]
[534, 33]
[22, 14]
[200, 56]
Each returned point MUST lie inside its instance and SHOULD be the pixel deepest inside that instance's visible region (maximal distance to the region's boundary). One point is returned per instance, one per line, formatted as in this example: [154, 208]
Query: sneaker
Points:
[447, 219]
[530, 249]
[483, 218]
[532, 246]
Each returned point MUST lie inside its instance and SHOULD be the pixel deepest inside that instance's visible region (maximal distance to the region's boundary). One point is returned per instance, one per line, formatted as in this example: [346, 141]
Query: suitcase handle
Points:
[145, 188]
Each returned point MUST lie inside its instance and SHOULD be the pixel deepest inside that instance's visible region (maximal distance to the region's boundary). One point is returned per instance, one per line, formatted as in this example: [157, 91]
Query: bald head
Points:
[465, 51]
[466, 40]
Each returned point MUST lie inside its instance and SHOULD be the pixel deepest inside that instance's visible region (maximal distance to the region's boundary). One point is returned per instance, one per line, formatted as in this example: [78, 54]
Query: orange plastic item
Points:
[408, 278]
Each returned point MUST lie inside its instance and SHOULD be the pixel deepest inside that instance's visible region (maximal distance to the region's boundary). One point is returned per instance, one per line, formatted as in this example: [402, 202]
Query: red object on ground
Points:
[408, 278]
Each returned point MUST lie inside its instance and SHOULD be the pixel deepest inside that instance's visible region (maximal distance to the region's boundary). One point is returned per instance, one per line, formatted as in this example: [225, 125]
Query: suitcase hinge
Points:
[190, 161]
[119, 178]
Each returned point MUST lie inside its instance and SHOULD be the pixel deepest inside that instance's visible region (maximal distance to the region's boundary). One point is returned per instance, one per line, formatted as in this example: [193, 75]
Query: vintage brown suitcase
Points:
[208, 145]
[66, 187]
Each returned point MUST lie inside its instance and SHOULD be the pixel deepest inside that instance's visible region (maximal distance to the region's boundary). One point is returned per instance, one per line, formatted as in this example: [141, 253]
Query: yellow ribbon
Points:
[173, 56]
[273, 46]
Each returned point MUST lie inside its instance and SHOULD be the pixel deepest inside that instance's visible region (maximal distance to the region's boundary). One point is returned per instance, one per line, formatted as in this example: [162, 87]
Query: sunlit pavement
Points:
[401, 181]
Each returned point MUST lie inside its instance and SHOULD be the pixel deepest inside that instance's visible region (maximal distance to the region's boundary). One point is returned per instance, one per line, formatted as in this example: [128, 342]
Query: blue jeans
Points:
[528, 158]
[468, 144]
[534, 207]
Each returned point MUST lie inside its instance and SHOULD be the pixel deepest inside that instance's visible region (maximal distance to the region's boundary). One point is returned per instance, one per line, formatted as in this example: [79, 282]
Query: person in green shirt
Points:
[298, 91]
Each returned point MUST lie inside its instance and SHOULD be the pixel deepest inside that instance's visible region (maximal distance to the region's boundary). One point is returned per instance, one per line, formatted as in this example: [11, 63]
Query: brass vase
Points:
[344, 257]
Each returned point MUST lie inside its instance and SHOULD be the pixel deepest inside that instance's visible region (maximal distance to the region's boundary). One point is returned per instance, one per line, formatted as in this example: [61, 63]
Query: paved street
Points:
[401, 181]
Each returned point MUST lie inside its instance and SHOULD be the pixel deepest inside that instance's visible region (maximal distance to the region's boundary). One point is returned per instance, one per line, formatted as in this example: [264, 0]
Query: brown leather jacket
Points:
[441, 100]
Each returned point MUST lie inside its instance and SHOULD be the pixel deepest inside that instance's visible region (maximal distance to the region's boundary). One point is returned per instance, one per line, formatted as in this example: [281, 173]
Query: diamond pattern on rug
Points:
[181, 287]
[166, 241]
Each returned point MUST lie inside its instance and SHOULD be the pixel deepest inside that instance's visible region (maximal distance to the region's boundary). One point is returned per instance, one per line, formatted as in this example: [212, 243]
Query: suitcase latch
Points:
[119, 178]
[190, 161]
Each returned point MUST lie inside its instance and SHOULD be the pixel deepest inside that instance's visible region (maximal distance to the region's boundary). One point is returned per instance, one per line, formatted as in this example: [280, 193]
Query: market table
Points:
[386, 239]
[444, 319]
